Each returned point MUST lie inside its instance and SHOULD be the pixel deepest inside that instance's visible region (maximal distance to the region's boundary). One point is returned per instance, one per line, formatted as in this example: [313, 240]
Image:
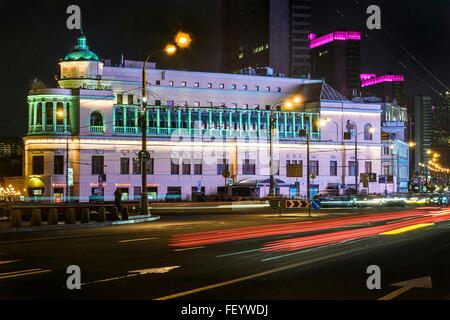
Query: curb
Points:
[62, 227]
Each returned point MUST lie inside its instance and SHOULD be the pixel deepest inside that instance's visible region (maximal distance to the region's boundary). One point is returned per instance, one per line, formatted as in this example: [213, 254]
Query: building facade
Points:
[265, 34]
[84, 137]
[336, 58]
[422, 131]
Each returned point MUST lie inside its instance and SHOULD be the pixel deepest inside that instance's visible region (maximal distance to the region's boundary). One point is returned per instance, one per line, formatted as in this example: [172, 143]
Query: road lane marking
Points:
[189, 249]
[250, 277]
[8, 262]
[155, 270]
[138, 240]
[238, 253]
[424, 282]
[58, 238]
[136, 273]
[23, 273]
[407, 229]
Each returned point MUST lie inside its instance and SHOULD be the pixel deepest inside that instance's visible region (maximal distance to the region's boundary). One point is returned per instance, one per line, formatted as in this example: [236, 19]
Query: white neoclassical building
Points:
[84, 136]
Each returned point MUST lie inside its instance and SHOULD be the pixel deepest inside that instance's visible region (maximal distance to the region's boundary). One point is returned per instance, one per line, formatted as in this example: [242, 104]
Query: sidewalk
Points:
[5, 228]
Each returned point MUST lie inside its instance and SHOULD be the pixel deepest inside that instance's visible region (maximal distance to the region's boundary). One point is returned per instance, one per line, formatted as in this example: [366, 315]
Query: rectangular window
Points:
[136, 166]
[98, 165]
[222, 86]
[198, 168]
[175, 166]
[151, 166]
[171, 83]
[249, 168]
[197, 84]
[184, 83]
[125, 166]
[314, 168]
[333, 168]
[209, 85]
[257, 88]
[222, 166]
[158, 82]
[244, 87]
[38, 165]
[130, 99]
[186, 167]
[352, 170]
[58, 165]
[120, 99]
[368, 166]
[234, 86]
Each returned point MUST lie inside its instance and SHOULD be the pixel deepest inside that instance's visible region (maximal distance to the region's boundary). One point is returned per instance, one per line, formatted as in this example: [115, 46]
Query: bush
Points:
[70, 216]
[85, 218]
[16, 219]
[53, 218]
[36, 218]
[101, 215]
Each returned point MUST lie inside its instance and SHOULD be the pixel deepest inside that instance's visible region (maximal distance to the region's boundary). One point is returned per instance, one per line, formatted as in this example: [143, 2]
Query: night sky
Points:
[34, 38]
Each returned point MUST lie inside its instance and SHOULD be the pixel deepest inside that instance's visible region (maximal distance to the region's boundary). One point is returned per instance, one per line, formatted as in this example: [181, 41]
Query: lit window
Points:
[197, 84]
[257, 88]
[268, 89]
[241, 56]
[171, 83]
[222, 86]
[209, 85]
[197, 103]
[210, 104]
[184, 83]
[234, 87]
[244, 87]
[278, 89]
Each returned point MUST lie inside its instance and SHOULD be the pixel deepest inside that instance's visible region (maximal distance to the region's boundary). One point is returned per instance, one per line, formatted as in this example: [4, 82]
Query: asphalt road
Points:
[237, 257]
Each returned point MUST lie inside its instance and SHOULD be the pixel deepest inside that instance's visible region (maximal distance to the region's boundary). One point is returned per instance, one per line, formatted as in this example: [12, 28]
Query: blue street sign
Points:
[316, 205]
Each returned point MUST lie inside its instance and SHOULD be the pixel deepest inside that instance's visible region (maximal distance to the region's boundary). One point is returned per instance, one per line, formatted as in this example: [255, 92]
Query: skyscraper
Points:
[336, 58]
[388, 87]
[422, 129]
[265, 34]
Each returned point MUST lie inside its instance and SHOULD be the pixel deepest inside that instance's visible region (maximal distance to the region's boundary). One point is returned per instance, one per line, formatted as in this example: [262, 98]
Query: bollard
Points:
[115, 214]
[70, 216]
[16, 219]
[85, 218]
[101, 215]
[36, 218]
[125, 214]
[53, 218]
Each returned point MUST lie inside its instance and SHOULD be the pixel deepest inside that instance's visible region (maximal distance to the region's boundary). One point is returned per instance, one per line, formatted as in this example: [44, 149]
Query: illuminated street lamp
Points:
[183, 40]
[287, 104]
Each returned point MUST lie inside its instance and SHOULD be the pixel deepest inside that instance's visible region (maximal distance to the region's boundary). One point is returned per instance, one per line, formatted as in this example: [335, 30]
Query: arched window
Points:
[351, 127]
[96, 119]
[368, 132]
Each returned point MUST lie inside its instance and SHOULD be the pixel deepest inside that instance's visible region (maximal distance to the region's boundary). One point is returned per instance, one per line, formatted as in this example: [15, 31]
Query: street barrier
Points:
[36, 218]
[125, 214]
[16, 219]
[101, 215]
[85, 218]
[70, 217]
[53, 218]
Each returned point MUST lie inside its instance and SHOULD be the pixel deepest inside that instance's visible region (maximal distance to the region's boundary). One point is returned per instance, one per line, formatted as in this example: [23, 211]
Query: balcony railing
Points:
[97, 129]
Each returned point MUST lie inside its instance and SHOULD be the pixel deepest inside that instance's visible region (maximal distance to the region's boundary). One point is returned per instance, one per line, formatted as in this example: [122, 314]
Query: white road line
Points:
[189, 249]
[138, 240]
[7, 262]
[23, 273]
[238, 253]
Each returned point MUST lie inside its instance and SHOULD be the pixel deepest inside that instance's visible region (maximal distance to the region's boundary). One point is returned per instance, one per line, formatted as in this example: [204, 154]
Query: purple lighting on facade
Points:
[367, 76]
[370, 81]
[312, 36]
[335, 36]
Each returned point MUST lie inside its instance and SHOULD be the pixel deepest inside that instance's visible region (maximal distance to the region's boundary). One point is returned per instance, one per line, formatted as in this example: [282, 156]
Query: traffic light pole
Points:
[144, 195]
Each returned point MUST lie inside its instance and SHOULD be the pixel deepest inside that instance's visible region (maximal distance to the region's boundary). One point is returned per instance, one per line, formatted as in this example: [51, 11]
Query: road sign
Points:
[294, 171]
[316, 204]
[144, 155]
[296, 204]
[226, 174]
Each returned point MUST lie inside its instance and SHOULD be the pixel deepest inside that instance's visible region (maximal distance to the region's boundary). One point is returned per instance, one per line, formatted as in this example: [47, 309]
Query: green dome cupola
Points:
[81, 52]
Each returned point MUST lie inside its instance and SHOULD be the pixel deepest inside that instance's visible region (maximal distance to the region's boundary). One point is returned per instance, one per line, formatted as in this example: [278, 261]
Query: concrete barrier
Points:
[125, 214]
[85, 215]
[101, 215]
[53, 218]
[16, 219]
[36, 218]
[70, 217]
[115, 214]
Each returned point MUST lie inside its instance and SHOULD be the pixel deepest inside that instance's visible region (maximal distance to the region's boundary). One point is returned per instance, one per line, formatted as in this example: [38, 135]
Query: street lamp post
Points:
[289, 104]
[183, 40]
